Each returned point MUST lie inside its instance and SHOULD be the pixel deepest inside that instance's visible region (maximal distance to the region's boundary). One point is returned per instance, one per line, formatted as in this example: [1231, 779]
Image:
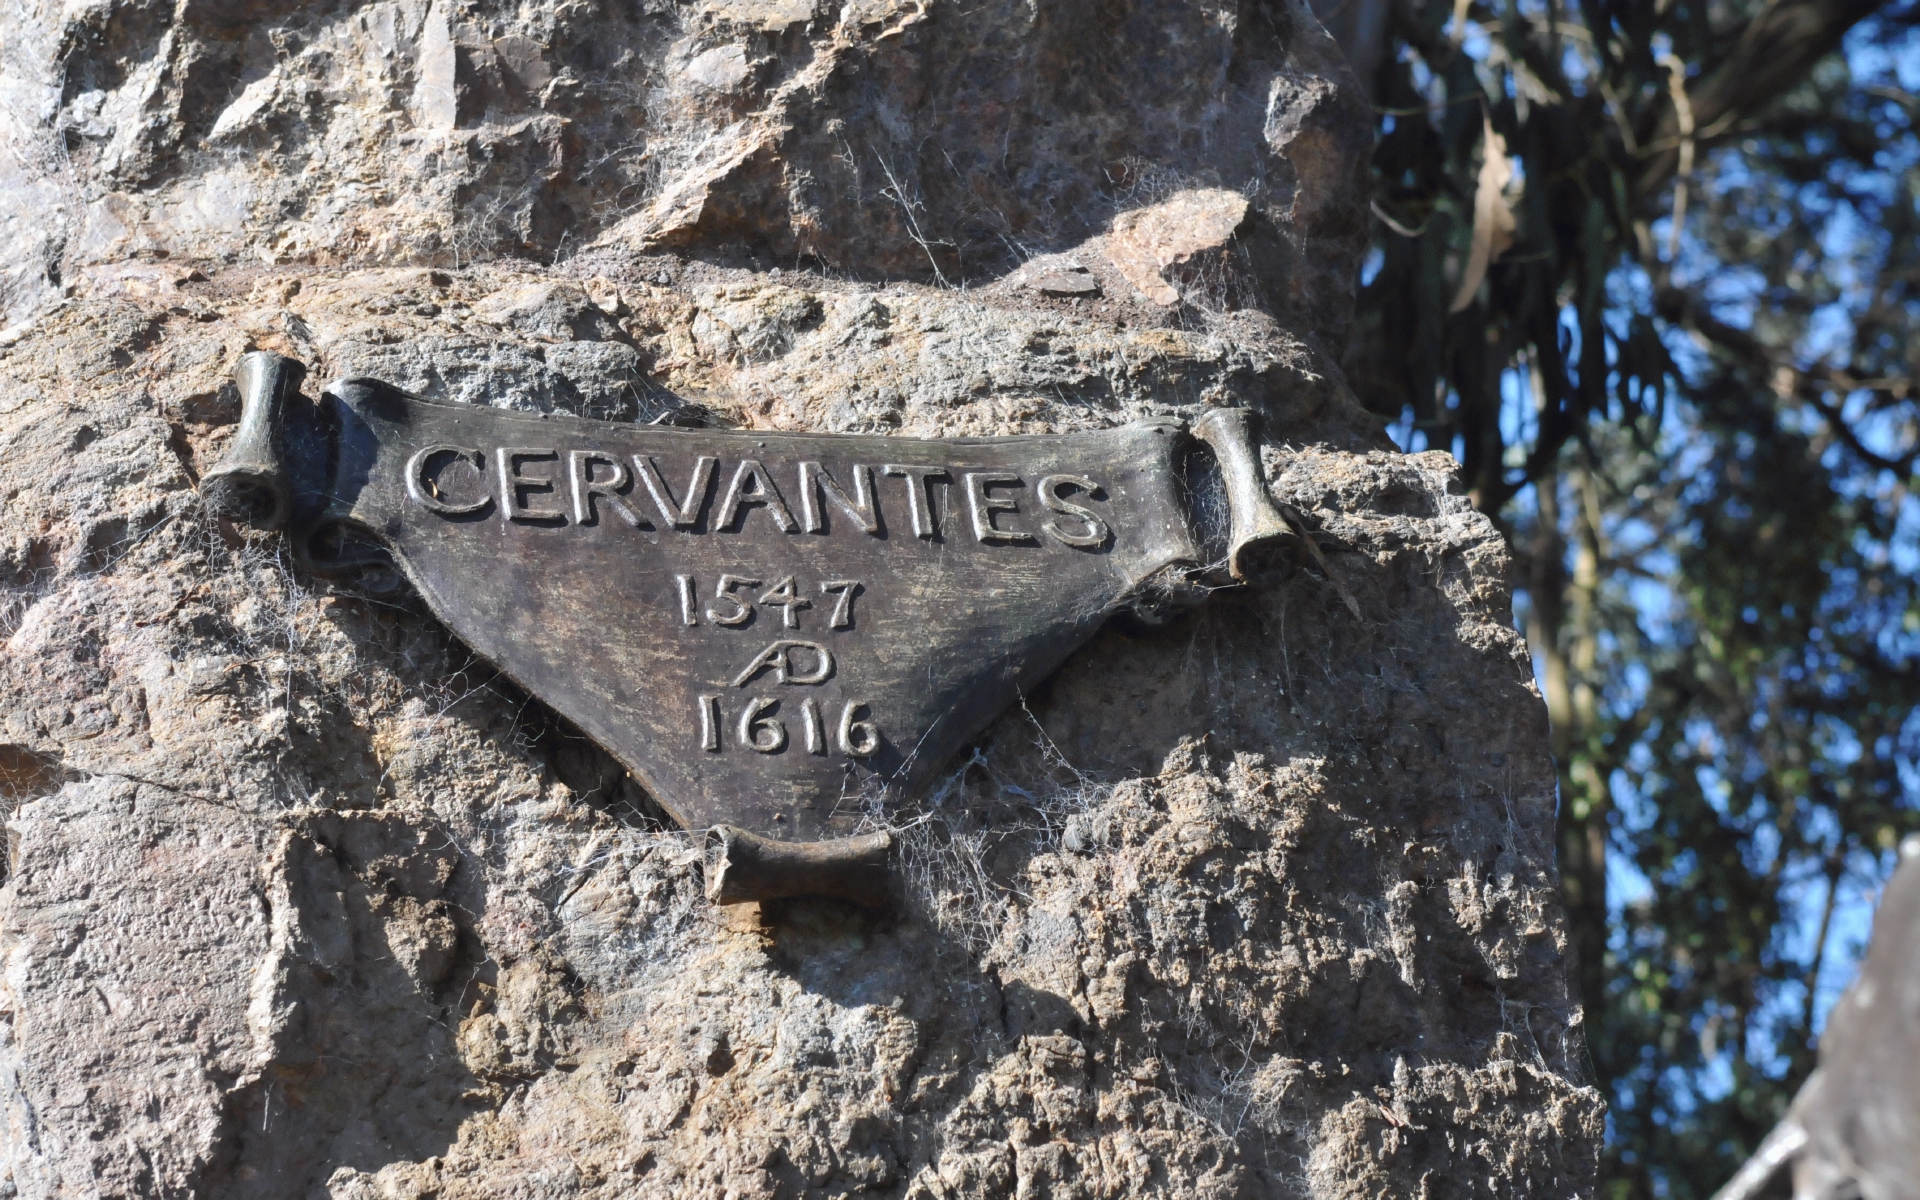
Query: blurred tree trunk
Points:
[1563, 630]
[1361, 27]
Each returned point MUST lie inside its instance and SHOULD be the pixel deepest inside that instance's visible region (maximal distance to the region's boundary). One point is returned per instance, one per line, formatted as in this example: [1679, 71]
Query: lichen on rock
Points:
[301, 898]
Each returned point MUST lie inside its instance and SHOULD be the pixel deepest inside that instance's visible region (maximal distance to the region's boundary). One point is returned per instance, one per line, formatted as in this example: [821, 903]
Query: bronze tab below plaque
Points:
[778, 634]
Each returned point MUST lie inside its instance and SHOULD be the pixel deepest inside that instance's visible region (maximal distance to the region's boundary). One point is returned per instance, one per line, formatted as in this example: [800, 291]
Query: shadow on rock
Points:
[355, 1010]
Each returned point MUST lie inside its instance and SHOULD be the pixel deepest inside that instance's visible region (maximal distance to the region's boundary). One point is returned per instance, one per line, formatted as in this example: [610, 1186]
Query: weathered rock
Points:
[1064, 279]
[1850, 1128]
[304, 900]
[1179, 238]
[882, 137]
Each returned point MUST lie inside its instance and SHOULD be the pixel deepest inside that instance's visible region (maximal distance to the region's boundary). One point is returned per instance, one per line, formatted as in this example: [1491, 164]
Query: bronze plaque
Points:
[784, 633]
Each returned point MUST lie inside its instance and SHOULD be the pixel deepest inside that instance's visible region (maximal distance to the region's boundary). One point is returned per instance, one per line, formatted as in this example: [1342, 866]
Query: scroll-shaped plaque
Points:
[776, 633]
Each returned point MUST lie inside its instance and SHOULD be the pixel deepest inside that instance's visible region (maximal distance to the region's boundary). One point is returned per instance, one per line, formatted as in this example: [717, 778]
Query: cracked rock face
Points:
[302, 899]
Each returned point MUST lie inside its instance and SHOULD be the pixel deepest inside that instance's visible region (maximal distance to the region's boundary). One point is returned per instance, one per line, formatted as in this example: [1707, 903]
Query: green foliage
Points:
[1704, 434]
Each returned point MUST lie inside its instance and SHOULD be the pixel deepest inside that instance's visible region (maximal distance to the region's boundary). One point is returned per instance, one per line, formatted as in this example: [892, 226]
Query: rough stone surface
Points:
[1176, 240]
[302, 900]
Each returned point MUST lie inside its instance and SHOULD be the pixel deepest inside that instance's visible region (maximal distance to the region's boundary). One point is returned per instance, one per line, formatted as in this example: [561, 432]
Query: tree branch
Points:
[1679, 308]
[1773, 54]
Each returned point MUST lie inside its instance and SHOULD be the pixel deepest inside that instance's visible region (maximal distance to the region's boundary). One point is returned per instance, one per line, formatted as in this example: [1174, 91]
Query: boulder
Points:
[304, 899]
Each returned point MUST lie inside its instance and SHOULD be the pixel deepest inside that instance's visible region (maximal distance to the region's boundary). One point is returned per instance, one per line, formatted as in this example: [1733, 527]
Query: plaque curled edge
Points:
[782, 636]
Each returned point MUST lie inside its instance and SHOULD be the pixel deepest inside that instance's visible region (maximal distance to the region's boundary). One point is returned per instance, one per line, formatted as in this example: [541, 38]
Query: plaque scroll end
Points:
[752, 867]
[250, 485]
[1262, 546]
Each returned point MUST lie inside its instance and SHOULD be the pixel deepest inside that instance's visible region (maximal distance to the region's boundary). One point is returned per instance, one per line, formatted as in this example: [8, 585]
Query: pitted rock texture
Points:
[923, 140]
[302, 899]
